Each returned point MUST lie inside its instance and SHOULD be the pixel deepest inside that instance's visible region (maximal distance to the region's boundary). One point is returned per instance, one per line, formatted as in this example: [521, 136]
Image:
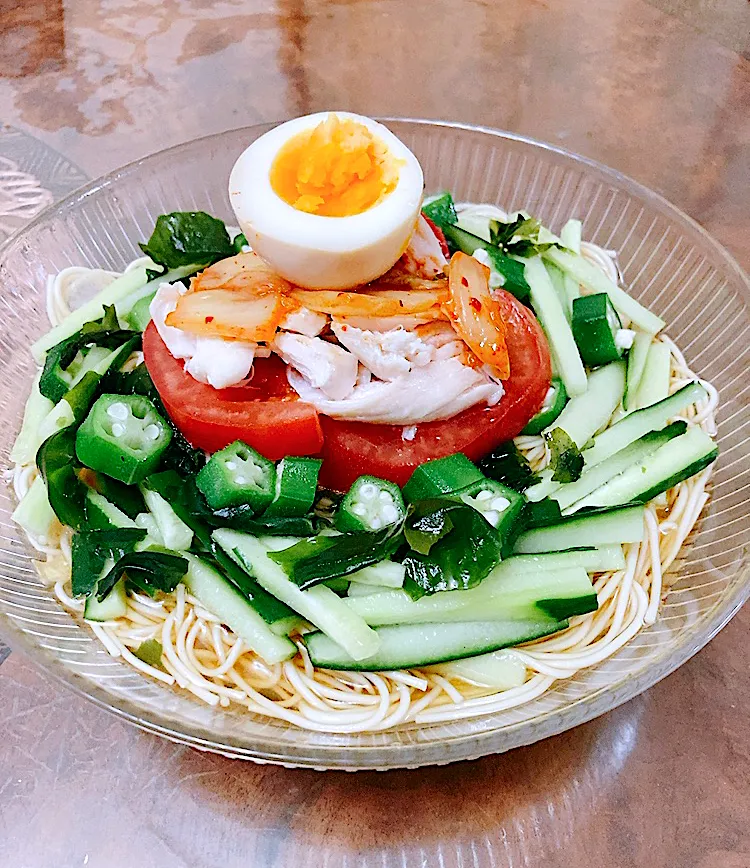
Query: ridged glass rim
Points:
[464, 746]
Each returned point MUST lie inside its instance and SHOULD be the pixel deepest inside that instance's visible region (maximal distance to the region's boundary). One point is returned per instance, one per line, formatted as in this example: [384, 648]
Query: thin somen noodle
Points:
[201, 655]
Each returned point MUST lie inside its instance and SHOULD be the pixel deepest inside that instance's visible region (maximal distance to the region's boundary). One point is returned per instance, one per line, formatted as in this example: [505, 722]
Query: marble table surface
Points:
[660, 90]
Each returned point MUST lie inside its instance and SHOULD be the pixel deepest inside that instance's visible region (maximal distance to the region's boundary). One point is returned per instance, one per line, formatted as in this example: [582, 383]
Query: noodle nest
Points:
[202, 656]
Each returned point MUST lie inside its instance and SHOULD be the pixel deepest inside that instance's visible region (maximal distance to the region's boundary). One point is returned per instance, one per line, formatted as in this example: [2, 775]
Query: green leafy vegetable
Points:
[187, 237]
[317, 559]
[150, 652]
[58, 465]
[522, 236]
[91, 549]
[428, 522]
[105, 332]
[150, 571]
[507, 465]
[243, 518]
[565, 457]
[460, 558]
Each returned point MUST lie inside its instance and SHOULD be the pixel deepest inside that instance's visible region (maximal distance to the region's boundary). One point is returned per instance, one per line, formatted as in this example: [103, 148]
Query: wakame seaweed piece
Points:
[460, 559]
[91, 549]
[317, 559]
[244, 518]
[149, 571]
[507, 465]
[58, 465]
[188, 237]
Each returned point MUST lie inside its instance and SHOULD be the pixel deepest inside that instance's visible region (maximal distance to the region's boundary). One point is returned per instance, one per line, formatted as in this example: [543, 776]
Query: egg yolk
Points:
[337, 169]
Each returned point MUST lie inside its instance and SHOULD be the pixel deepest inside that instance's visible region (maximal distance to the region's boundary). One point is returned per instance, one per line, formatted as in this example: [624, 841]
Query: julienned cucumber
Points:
[113, 606]
[499, 669]
[636, 366]
[319, 605]
[568, 496]
[34, 514]
[537, 594]
[102, 514]
[222, 599]
[679, 459]
[586, 414]
[641, 422]
[384, 574]
[618, 526]
[27, 443]
[596, 281]
[623, 433]
[654, 385]
[552, 316]
[412, 645]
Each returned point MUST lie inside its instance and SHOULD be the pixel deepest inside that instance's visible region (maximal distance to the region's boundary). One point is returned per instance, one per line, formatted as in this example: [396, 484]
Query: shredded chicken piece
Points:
[214, 361]
[325, 366]
[438, 390]
[388, 354]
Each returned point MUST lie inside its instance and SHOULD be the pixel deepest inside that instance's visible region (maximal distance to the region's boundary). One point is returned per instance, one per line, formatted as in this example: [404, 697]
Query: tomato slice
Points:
[266, 413]
[351, 449]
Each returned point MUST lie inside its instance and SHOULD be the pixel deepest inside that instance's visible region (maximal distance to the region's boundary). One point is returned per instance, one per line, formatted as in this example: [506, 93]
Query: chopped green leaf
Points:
[150, 571]
[187, 237]
[150, 652]
[55, 378]
[565, 457]
[243, 518]
[427, 523]
[90, 550]
[58, 465]
[317, 559]
[522, 236]
[507, 465]
[459, 559]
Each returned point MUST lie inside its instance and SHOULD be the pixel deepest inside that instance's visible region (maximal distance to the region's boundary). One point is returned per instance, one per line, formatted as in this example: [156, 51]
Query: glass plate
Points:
[666, 259]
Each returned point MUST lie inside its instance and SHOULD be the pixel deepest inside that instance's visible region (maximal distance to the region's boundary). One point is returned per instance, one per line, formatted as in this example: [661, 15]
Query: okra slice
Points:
[441, 477]
[371, 504]
[124, 437]
[237, 475]
[501, 507]
[295, 488]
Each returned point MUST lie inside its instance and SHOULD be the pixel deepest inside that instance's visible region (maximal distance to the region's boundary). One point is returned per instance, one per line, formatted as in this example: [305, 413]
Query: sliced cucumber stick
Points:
[319, 605]
[636, 365]
[586, 414]
[679, 459]
[37, 409]
[34, 514]
[226, 602]
[609, 528]
[596, 281]
[549, 309]
[412, 645]
[113, 606]
[654, 385]
[500, 670]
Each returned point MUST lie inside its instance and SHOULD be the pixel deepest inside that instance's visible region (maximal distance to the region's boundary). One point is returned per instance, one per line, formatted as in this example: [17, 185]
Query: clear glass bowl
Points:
[668, 262]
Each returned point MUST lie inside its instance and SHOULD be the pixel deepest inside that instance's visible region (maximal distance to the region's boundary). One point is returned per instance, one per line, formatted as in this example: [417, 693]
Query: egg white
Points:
[315, 251]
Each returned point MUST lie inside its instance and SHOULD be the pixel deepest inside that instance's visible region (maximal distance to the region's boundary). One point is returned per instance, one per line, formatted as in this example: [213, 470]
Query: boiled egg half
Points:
[329, 200]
